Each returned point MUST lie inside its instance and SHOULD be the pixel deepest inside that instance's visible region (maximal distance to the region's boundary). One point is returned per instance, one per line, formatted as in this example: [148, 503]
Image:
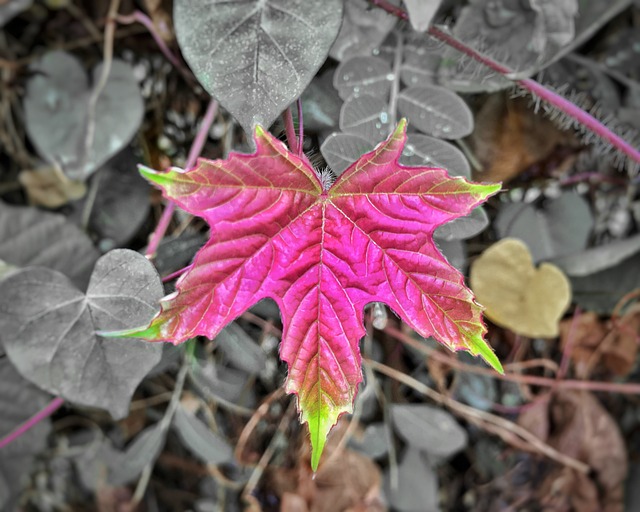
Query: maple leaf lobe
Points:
[322, 256]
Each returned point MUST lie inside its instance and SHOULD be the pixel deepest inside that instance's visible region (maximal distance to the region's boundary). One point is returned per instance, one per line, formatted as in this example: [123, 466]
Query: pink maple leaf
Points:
[322, 255]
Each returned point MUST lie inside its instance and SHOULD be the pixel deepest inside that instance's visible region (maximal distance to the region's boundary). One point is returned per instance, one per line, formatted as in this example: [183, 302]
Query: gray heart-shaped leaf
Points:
[428, 428]
[31, 237]
[366, 116]
[340, 150]
[48, 329]
[422, 150]
[561, 227]
[199, 438]
[464, 227]
[58, 117]
[363, 29]
[256, 56]
[363, 75]
[436, 111]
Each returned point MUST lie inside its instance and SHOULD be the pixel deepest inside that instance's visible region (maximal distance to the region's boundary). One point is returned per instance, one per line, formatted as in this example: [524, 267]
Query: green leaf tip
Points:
[150, 333]
[401, 128]
[320, 423]
[479, 347]
[159, 178]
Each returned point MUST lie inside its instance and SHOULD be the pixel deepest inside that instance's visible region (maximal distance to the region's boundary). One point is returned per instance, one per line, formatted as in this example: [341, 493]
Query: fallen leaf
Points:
[516, 295]
[585, 334]
[577, 425]
[50, 188]
[509, 137]
[322, 255]
[614, 345]
[349, 481]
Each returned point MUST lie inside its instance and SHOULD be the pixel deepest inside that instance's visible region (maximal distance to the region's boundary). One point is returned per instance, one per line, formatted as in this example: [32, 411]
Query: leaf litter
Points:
[236, 399]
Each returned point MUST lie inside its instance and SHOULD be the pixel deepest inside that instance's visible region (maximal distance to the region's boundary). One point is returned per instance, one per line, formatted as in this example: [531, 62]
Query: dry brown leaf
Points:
[578, 426]
[535, 418]
[614, 345]
[348, 482]
[585, 336]
[509, 137]
[50, 188]
[620, 356]
[516, 295]
[565, 489]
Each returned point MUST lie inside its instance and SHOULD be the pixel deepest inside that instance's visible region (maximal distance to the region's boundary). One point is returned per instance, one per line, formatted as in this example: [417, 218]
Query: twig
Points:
[609, 387]
[47, 411]
[107, 60]
[194, 153]
[256, 475]
[165, 423]
[504, 428]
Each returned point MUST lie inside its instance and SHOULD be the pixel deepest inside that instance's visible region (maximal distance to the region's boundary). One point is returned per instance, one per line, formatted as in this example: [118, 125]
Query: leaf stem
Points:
[194, 153]
[559, 102]
[300, 128]
[47, 411]
[290, 130]
[140, 17]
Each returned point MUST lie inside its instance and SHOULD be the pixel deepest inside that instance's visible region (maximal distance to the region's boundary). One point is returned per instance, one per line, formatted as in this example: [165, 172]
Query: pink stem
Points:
[290, 131]
[562, 104]
[194, 152]
[47, 411]
[140, 17]
[300, 128]
[175, 274]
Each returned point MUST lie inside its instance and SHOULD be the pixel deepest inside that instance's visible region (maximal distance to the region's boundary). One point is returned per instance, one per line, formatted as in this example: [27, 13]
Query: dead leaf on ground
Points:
[348, 482]
[613, 344]
[516, 295]
[577, 425]
[50, 188]
[509, 137]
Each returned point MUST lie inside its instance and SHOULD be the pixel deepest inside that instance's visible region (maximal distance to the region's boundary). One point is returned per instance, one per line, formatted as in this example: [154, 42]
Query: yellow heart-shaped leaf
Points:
[517, 295]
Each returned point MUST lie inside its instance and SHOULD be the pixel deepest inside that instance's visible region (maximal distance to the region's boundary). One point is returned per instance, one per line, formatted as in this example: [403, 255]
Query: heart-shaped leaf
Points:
[436, 111]
[340, 150]
[363, 75]
[362, 30]
[31, 237]
[58, 117]
[366, 116]
[516, 295]
[429, 429]
[560, 227]
[322, 255]
[48, 329]
[422, 150]
[256, 56]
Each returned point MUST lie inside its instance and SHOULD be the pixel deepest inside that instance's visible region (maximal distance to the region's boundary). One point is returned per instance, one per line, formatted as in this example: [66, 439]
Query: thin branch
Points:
[509, 431]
